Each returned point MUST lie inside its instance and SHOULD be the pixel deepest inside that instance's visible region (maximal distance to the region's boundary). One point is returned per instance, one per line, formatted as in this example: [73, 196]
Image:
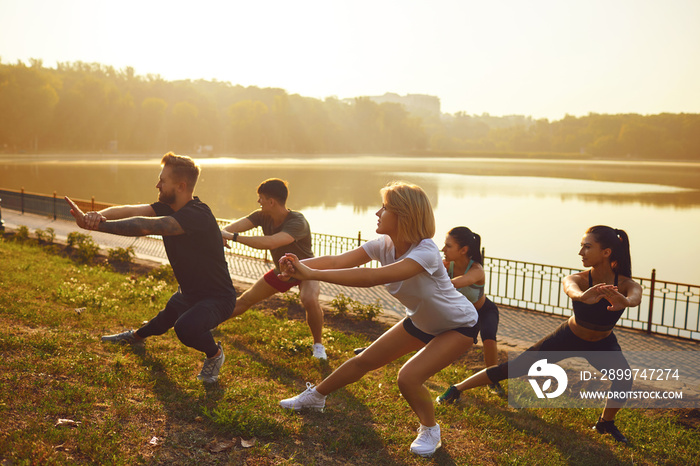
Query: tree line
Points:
[90, 107]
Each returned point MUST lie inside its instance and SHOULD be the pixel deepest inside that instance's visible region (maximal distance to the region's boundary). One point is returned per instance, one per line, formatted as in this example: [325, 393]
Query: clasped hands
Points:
[291, 267]
[88, 220]
[610, 292]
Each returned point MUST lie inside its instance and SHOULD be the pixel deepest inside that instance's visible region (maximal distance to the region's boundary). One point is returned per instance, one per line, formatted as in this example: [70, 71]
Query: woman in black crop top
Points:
[599, 295]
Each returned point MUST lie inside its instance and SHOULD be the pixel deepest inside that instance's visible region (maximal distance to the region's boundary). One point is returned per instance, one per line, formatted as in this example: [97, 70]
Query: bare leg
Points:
[609, 413]
[393, 344]
[308, 293]
[259, 291]
[490, 352]
[477, 380]
[438, 354]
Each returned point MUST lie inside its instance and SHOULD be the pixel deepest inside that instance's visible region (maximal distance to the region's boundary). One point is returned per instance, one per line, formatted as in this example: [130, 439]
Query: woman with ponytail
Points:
[464, 263]
[600, 294]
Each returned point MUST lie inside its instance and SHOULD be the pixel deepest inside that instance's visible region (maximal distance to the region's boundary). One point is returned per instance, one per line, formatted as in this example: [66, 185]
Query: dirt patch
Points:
[689, 418]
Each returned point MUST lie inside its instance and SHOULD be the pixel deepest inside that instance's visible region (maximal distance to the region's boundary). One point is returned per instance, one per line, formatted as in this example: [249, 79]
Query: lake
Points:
[524, 209]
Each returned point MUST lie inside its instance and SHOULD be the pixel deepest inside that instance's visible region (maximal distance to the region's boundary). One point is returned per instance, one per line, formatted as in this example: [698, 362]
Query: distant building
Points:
[417, 104]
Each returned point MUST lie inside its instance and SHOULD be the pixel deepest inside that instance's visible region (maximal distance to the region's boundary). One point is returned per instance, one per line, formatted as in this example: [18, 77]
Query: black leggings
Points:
[488, 320]
[192, 320]
[601, 354]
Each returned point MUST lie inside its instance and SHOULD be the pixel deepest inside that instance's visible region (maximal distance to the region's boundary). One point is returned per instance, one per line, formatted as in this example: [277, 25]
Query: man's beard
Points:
[166, 198]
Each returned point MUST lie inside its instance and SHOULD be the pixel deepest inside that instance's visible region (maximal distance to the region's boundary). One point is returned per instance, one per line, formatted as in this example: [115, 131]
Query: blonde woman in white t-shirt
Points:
[440, 322]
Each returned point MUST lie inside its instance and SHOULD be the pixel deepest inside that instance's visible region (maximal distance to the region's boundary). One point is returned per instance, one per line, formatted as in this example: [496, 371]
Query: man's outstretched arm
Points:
[133, 226]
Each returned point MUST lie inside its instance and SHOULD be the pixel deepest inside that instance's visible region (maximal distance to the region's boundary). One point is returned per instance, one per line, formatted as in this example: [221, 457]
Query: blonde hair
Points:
[411, 205]
[183, 168]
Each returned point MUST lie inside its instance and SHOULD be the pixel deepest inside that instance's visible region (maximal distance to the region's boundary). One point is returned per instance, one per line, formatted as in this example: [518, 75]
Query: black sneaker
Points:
[497, 389]
[359, 350]
[450, 396]
[608, 427]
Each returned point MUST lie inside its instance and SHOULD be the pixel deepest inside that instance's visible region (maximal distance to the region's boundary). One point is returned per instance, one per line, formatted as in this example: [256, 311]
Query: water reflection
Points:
[527, 210]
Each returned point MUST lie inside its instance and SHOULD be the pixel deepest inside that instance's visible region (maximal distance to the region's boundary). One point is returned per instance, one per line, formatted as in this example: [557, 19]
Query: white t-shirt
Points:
[432, 302]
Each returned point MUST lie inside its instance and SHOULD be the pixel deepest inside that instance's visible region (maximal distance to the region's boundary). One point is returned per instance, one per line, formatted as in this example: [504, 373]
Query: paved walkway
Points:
[517, 330]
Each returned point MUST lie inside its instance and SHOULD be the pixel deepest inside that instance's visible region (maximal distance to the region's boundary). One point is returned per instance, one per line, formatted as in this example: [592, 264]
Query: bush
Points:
[22, 233]
[367, 311]
[291, 298]
[341, 304]
[164, 273]
[121, 256]
[85, 248]
[46, 236]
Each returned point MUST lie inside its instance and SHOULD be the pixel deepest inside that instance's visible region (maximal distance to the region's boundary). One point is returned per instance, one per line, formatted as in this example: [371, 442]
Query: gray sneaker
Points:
[211, 367]
[124, 337]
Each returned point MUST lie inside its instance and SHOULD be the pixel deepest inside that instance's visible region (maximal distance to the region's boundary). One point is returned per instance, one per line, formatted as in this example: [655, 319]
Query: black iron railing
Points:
[667, 308]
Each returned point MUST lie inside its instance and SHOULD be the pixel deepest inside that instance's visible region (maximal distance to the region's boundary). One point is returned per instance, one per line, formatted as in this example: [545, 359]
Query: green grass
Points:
[54, 366]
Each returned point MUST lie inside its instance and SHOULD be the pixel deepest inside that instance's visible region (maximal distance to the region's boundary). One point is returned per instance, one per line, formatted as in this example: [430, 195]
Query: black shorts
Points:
[426, 337]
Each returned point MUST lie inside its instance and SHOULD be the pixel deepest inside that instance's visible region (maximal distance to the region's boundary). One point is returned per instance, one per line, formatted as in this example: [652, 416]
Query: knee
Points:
[408, 379]
[497, 373]
[622, 385]
[311, 304]
[243, 303]
[183, 333]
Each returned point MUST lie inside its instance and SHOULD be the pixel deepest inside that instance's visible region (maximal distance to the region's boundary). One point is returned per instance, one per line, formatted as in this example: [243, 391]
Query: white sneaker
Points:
[319, 351]
[427, 442]
[309, 399]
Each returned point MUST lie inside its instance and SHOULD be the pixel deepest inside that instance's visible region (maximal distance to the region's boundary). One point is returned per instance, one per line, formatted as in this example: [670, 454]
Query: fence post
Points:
[359, 239]
[54, 205]
[21, 197]
[93, 203]
[651, 299]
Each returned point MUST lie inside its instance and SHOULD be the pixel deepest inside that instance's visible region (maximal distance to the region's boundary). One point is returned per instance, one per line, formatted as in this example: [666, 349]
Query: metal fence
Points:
[667, 308]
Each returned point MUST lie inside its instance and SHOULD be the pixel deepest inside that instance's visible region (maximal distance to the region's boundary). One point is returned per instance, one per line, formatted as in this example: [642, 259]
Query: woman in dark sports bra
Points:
[600, 295]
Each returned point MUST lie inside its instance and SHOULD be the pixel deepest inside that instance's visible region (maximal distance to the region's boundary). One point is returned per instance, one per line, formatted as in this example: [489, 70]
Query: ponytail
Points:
[465, 237]
[619, 244]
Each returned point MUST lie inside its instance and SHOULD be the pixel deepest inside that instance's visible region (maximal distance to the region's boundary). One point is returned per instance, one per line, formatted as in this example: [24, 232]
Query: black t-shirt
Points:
[197, 257]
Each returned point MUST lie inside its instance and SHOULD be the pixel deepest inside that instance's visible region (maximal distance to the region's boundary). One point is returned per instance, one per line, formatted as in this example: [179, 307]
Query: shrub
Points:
[46, 236]
[367, 311]
[341, 304]
[22, 233]
[164, 273]
[291, 298]
[84, 246]
[121, 256]
[74, 238]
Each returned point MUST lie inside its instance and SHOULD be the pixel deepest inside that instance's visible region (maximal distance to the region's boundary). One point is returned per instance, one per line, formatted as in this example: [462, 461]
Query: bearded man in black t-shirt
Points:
[192, 240]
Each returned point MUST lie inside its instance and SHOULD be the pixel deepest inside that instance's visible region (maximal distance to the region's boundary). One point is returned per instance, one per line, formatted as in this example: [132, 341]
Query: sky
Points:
[541, 58]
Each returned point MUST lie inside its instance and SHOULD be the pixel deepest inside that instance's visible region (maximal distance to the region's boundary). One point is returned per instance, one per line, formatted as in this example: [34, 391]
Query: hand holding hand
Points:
[616, 299]
[291, 267]
[93, 220]
[593, 294]
[76, 212]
